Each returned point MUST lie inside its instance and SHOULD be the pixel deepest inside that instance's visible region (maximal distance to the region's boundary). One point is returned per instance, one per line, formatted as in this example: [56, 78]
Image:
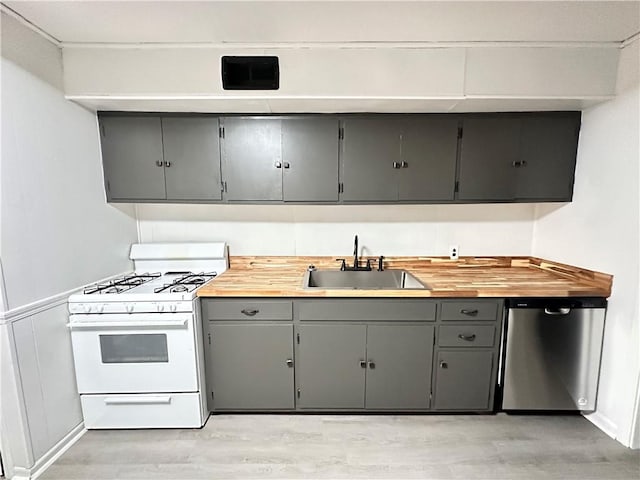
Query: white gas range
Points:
[137, 339]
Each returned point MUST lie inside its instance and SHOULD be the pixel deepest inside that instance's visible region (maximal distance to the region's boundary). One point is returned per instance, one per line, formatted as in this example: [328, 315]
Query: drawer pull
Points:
[249, 312]
[363, 364]
[444, 364]
[289, 362]
[372, 365]
[471, 313]
[468, 338]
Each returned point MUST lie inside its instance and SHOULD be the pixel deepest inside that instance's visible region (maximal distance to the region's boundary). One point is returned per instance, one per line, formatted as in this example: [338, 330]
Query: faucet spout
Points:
[355, 252]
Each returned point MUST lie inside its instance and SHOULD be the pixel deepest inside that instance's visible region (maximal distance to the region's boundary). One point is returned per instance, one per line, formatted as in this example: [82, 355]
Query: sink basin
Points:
[362, 280]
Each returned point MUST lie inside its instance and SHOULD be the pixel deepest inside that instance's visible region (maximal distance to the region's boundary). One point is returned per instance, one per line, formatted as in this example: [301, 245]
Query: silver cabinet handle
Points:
[468, 338]
[396, 164]
[471, 313]
[560, 311]
[278, 164]
[363, 364]
[159, 163]
[249, 312]
[372, 364]
[286, 165]
[289, 362]
[167, 164]
[404, 164]
[444, 364]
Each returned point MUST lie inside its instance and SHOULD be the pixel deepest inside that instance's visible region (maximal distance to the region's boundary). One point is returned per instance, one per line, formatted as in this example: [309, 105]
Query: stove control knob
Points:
[160, 307]
[173, 307]
[100, 308]
[129, 308]
[86, 308]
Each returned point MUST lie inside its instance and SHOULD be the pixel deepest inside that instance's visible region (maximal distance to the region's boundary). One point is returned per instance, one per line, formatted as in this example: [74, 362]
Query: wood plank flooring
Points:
[354, 446]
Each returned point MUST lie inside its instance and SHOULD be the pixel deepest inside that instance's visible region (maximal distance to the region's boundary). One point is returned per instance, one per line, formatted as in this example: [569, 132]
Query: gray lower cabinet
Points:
[378, 367]
[331, 366]
[399, 367]
[518, 157]
[161, 158]
[250, 366]
[463, 380]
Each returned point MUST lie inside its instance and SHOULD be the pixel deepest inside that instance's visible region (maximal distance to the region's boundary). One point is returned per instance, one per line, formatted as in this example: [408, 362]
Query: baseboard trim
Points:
[56, 452]
[605, 424]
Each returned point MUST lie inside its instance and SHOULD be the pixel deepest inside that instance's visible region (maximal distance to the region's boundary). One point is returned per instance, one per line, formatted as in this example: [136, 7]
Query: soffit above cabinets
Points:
[268, 22]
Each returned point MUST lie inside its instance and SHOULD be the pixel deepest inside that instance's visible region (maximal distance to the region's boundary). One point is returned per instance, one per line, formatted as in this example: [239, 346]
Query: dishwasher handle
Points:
[557, 311]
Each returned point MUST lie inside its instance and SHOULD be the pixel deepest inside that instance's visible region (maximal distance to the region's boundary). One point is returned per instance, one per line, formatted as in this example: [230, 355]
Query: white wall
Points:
[504, 229]
[58, 233]
[600, 231]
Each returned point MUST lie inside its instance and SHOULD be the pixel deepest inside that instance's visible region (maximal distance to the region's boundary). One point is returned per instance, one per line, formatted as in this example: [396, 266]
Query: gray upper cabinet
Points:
[390, 158]
[252, 159]
[428, 158]
[310, 159]
[370, 150]
[548, 156]
[518, 157]
[281, 158]
[490, 147]
[191, 158]
[154, 158]
[132, 157]
[399, 366]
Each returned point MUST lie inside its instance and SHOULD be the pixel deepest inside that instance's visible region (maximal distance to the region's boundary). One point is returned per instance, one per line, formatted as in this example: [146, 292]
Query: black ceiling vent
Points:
[250, 73]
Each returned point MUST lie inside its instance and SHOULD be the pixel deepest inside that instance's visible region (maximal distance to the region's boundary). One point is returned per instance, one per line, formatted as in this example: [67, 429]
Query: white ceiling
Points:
[259, 22]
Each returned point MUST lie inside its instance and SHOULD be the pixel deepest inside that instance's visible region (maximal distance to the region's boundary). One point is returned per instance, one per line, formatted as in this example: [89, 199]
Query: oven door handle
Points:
[144, 400]
[136, 324]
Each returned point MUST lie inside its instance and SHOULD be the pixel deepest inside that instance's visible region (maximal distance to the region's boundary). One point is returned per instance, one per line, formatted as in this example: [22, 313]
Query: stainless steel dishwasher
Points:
[552, 353]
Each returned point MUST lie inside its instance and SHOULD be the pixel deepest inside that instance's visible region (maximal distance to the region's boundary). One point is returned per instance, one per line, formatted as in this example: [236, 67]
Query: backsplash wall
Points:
[500, 229]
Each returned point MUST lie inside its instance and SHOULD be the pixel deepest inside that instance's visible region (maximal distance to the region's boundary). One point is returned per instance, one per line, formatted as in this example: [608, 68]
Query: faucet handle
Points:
[380, 266]
[343, 266]
[368, 267]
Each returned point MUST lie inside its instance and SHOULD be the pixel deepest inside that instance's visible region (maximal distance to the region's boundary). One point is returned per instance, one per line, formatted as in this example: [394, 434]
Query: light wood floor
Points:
[355, 446]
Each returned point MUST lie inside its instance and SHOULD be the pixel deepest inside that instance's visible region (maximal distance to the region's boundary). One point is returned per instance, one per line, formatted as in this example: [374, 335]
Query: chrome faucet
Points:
[355, 254]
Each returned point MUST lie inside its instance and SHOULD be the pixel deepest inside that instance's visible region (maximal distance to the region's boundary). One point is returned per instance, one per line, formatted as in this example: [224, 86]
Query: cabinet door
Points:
[548, 158]
[132, 158]
[490, 150]
[251, 366]
[463, 380]
[252, 159]
[310, 159]
[399, 366]
[369, 149]
[192, 158]
[330, 366]
[429, 147]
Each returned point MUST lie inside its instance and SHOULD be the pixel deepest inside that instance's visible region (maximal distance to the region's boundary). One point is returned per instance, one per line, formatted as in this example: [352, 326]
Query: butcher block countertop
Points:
[271, 276]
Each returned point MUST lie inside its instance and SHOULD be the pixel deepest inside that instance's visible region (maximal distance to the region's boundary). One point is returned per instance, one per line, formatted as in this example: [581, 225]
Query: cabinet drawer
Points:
[247, 310]
[466, 336]
[162, 410]
[368, 310]
[469, 311]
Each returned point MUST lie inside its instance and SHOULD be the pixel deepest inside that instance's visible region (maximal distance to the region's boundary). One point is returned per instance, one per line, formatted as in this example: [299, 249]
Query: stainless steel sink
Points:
[362, 280]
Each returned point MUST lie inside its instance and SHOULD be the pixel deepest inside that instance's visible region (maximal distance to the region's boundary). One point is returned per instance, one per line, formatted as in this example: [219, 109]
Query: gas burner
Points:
[121, 284]
[174, 288]
[195, 278]
[178, 288]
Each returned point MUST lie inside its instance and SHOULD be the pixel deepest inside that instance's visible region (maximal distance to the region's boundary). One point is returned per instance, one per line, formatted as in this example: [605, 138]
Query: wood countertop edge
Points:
[572, 281]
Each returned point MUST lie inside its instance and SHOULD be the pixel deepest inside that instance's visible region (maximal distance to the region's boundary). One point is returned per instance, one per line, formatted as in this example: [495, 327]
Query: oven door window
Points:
[134, 348]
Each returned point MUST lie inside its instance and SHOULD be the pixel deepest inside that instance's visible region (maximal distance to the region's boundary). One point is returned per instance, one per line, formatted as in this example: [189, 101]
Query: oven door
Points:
[134, 353]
